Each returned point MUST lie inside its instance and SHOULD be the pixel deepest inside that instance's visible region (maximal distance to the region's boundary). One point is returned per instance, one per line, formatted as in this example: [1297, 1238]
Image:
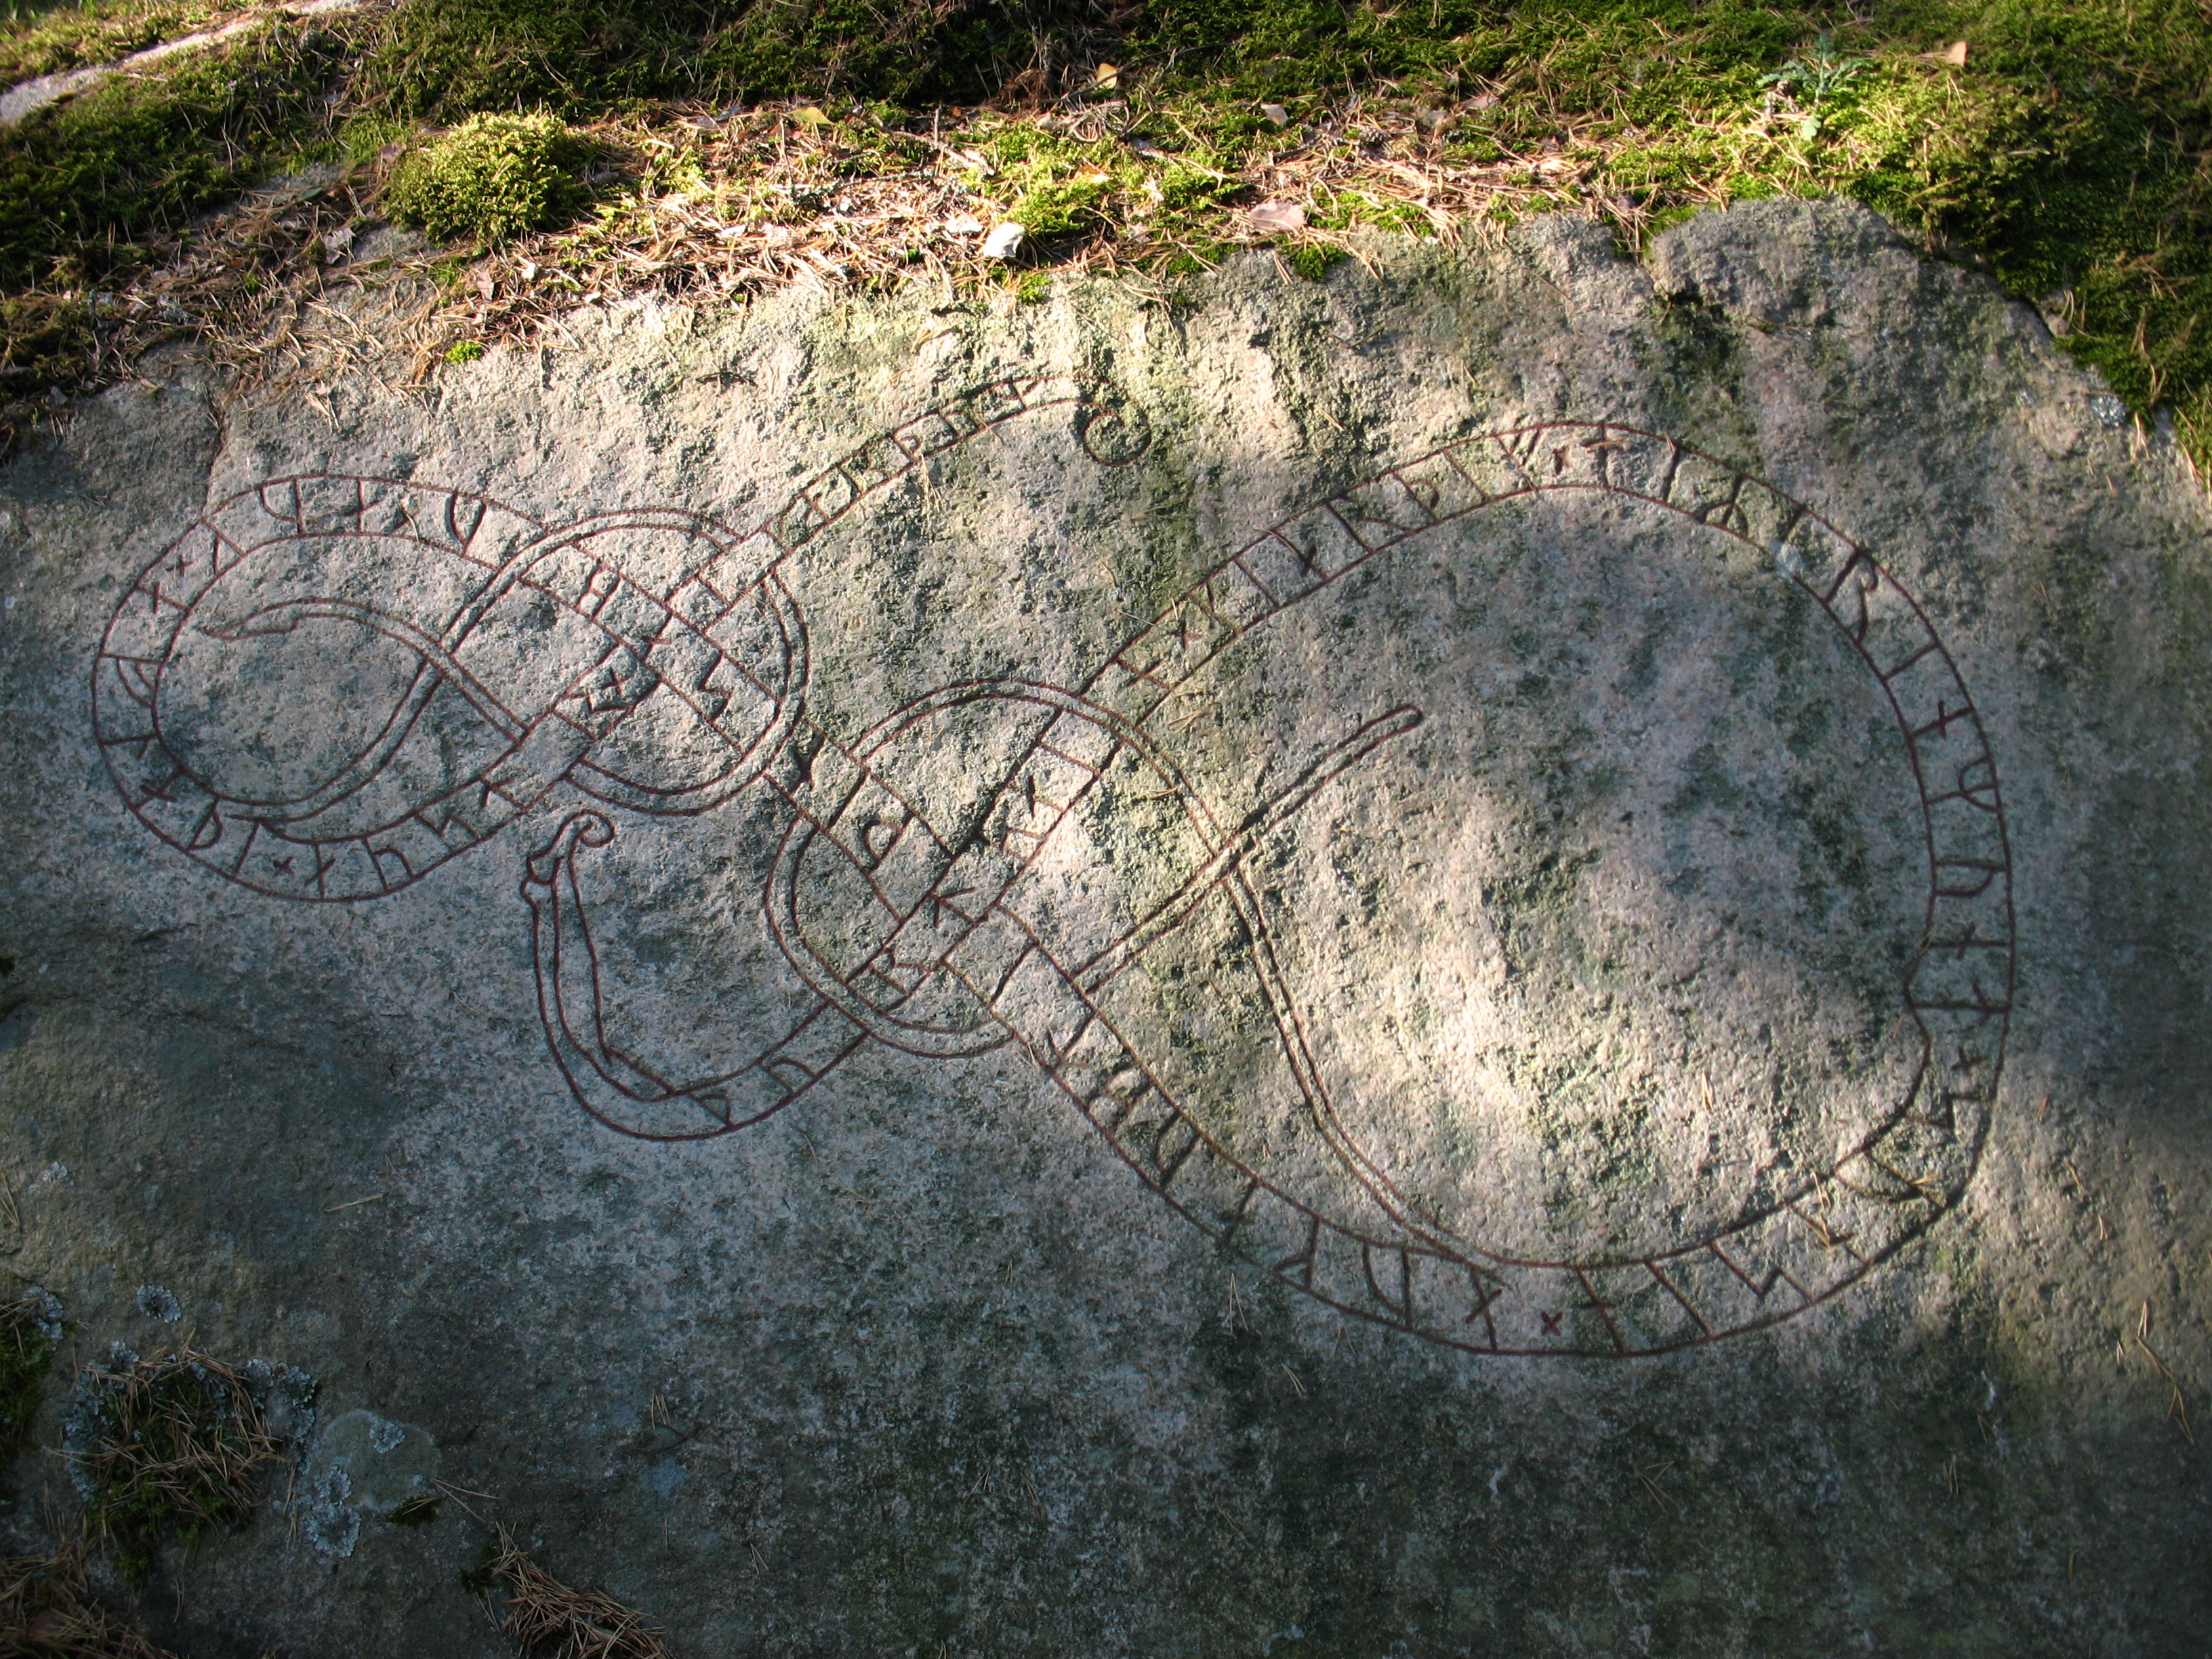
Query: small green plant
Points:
[172, 1446]
[1034, 289]
[1063, 208]
[1183, 186]
[463, 351]
[491, 178]
[1818, 76]
[1314, 260]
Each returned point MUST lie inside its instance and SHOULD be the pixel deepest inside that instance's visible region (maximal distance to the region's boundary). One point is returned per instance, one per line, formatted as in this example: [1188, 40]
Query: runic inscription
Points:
[1337, 1120]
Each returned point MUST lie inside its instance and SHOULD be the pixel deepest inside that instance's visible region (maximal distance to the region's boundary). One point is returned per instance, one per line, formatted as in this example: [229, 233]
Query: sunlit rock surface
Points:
[1504, 956]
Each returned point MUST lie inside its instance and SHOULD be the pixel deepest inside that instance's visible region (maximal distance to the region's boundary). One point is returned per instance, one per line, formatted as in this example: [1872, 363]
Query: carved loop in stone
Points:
[1114, 432]
[653, 658]
[1837, 1224]
[618, 1088]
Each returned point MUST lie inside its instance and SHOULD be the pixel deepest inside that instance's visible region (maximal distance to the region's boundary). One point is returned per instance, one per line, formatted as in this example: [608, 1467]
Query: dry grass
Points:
[770, 198]
[44, 1613]
[548, 1621]
[707, 207]
[176, 1447]
[251, 287]
[711, 211]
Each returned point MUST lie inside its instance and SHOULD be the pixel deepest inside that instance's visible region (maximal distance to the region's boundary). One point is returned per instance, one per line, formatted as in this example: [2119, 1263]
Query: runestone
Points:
[1535, 669]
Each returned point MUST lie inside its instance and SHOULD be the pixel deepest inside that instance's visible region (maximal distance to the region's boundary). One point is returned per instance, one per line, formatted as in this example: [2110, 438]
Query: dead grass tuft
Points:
[724, 206]
[548, 1621]
[707, 209]
[172, 1447]
[45, 1612]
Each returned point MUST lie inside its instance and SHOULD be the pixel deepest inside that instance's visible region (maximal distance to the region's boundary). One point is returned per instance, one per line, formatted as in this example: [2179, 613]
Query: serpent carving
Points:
[657, 663]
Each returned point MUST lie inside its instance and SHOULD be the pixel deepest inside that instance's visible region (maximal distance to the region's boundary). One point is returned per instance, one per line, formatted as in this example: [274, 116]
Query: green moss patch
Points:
[39, 41]
[492, 178]
[84, 183]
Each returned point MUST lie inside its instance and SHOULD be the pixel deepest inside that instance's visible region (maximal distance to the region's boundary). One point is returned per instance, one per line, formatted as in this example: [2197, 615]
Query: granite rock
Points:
[1504, 955]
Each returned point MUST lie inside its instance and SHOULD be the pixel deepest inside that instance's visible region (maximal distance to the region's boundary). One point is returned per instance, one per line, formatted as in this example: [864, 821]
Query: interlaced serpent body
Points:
[657, 663]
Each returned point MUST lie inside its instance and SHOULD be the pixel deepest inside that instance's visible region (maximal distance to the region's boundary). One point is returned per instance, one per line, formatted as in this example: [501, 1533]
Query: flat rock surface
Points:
[1507, 955]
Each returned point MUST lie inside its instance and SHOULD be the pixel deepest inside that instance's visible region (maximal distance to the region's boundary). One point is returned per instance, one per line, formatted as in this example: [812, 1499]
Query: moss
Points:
[906, 51]
[439, 61]
[477, 1578]
[1314, 260]
[48, 39]
[1063, 208]
[83, 182]
[463, 351]
[491, 178]
[1183, 186]
[444, 61]
[1351, 210]
[171, 1447]
[30, 1335]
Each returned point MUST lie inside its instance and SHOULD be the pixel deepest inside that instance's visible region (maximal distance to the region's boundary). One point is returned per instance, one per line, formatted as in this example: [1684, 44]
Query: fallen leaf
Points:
[1004, 241]
[484, 282]
[1108, 77]
[964, 224]
[1483, 100]
[1955, 55]
[808, 115]
[1275, 216]
[529, 269]
[1276, 115]
[1145, 147]
[1093, 176]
